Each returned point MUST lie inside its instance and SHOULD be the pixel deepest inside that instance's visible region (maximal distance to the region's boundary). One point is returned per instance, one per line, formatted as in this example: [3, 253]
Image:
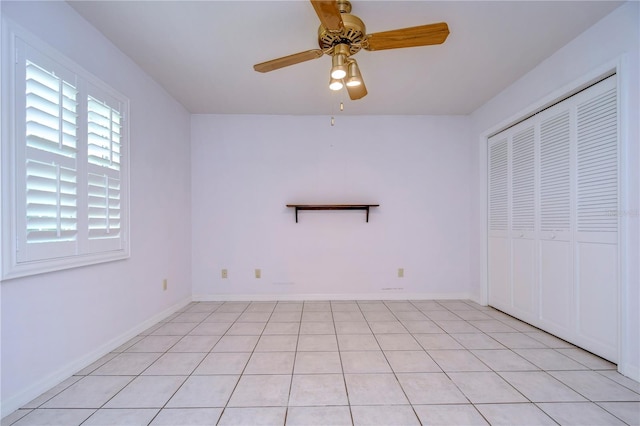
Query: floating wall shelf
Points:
[332, 207]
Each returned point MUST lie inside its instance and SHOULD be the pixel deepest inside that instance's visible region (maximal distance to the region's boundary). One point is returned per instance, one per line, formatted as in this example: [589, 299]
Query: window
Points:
[64, 160]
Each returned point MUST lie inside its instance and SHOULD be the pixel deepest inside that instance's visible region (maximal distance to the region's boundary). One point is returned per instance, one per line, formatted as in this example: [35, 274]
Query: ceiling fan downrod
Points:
[344, 6]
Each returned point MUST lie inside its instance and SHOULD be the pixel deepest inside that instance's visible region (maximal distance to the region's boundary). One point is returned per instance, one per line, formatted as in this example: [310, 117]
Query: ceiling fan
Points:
[342, 35]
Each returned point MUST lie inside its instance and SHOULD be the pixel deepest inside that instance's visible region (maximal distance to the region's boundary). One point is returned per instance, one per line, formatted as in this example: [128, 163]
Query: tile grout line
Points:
[454, 383]
[344, 378]
[135, 376]
[196, 367]
[395, 375]
[293, 367]
[226, 405]
[99, 366]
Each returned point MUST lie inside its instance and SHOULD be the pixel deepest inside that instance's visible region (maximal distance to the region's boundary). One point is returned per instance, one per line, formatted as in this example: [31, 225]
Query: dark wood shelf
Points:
[332, 207]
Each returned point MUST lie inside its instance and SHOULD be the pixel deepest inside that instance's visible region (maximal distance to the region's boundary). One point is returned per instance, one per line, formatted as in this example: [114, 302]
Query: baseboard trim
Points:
[629, 370]
[18, 400]
[356, 296]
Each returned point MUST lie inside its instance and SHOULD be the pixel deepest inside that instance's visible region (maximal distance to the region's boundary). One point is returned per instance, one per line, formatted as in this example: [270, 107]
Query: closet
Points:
[553, 188]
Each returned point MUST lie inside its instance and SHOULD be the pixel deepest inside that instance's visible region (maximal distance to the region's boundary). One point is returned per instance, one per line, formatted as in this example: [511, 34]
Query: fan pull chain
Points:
[333, 118]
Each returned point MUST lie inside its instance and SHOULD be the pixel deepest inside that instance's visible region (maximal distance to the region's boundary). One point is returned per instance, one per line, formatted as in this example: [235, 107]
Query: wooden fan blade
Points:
[329, 14]
[357, 92]
[285, 61]
[422, 35]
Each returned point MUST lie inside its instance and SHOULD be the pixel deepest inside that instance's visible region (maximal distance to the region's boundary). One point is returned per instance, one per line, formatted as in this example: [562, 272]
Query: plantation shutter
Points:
[104, 139]
[50, 163]
[104, 127]
[67, 184]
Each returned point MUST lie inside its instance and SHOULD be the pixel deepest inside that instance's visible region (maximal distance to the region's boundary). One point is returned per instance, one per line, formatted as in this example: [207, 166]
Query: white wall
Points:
[53, 324]
[245, 169]
[614, 37]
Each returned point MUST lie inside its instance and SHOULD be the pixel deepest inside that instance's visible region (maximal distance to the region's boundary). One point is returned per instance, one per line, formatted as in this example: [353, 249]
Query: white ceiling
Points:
[202, 52]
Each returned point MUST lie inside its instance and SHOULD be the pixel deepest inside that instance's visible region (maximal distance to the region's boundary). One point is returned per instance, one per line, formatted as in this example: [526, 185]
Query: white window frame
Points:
[20, 258]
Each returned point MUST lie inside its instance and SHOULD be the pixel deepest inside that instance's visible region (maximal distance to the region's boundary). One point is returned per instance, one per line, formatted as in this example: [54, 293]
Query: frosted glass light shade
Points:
[338, 66]
[335, 84]
[354, 77]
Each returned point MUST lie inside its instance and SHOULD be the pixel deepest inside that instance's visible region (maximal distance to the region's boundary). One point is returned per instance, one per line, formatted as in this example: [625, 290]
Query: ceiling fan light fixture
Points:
[354, 77]
[341, 35]
[335, 84]
[338, 66]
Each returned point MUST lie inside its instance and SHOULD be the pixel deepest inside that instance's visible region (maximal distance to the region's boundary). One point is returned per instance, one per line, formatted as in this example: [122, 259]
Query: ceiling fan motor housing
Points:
[351, 35]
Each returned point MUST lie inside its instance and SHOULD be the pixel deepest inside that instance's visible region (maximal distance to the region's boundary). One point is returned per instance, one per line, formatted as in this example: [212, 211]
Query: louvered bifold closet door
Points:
[498, 218]
[523, 219]
[556, 289]
[596, 235]
[553, 259]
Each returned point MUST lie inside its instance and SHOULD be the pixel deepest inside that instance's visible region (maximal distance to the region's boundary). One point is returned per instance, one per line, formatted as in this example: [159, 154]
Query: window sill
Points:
[26, 269]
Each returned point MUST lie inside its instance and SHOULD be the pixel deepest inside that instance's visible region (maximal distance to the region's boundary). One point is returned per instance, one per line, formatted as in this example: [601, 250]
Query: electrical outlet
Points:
[400, 272]
[224, 274]
[164, 284]
[258, 273]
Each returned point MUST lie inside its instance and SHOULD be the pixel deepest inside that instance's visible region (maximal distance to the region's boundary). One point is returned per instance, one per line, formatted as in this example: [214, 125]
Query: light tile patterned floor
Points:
[341, 363]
